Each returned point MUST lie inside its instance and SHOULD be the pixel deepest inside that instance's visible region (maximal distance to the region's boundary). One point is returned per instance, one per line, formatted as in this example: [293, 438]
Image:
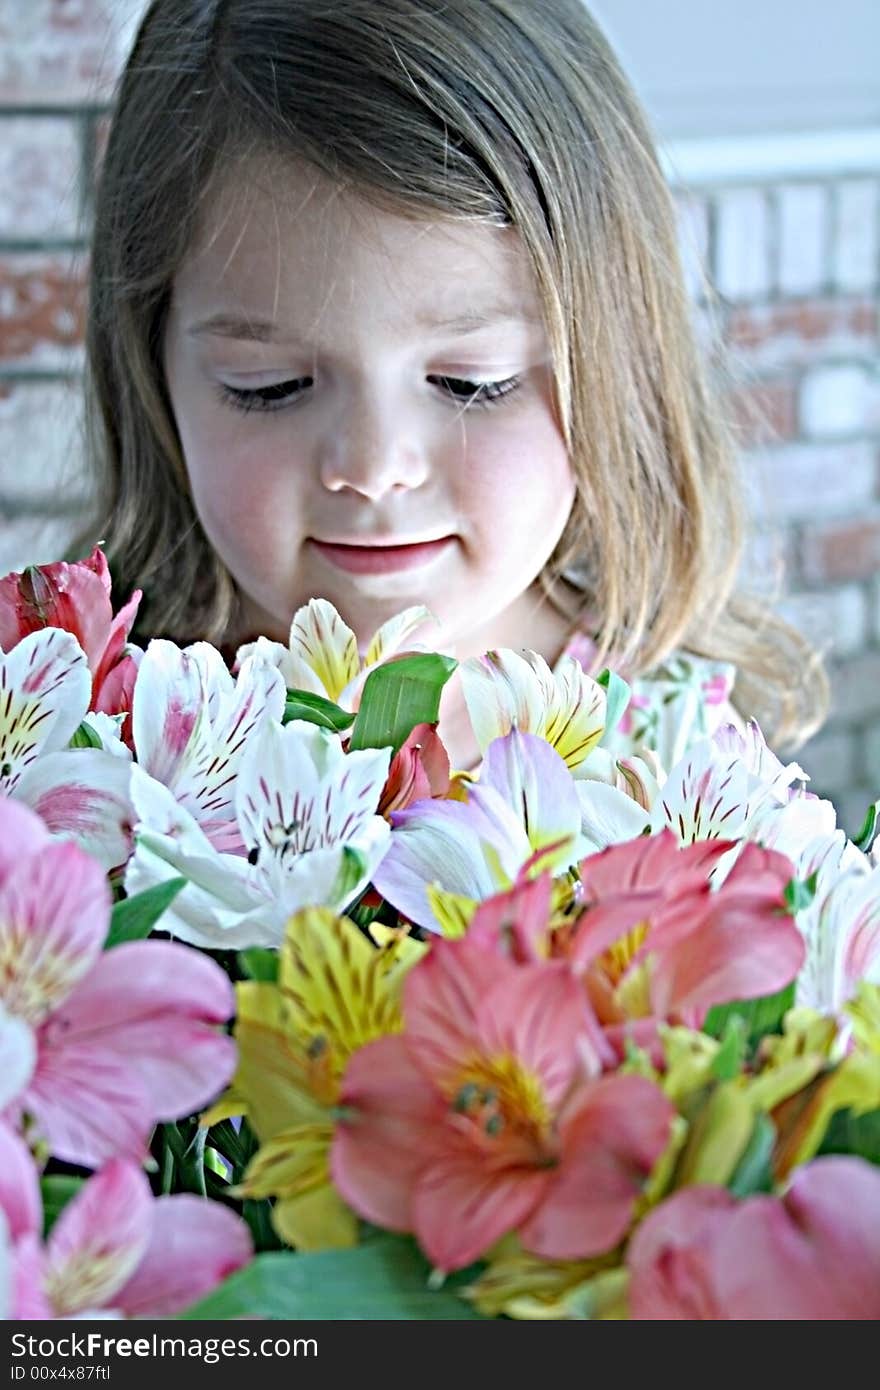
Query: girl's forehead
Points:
[290, 233]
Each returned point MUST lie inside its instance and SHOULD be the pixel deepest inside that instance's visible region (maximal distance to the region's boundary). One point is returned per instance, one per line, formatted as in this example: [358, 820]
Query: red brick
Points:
[39, 177]
[848, 549]
[763, 411]
[61, 52]
[773, 337]
[42, 310]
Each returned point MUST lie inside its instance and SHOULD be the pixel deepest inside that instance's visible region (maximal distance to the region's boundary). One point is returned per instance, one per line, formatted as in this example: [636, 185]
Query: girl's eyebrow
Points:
[254, 330]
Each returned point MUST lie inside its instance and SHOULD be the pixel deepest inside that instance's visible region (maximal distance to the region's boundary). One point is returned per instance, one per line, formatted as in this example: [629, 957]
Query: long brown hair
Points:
[504, 111]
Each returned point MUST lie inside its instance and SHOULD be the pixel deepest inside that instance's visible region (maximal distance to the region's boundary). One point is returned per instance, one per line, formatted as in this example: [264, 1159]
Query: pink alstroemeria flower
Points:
[418, 771]
[76, 597]
[655, 941]
[813, 1254]
[122, 1039]
[658, 942]
[114, 1248]
[484, 1116]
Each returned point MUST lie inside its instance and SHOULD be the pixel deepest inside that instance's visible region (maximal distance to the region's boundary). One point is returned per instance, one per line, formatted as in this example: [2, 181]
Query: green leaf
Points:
[865, 838]
[57, 1190]
[800, 893]
[760, 1016]
[259, 963]
[731, 1054]
[754, 1172]
[85, 737]
[385, 1278]
[134, 918]
[617, 696]
[397, 696]
[848, 1133]
[315, 709]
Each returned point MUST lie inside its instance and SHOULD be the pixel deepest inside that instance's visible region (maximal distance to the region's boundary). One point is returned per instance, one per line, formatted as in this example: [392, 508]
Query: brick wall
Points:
[795, 261]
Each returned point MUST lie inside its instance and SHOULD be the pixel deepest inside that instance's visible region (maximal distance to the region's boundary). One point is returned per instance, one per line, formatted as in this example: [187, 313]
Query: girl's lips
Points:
[380, 559]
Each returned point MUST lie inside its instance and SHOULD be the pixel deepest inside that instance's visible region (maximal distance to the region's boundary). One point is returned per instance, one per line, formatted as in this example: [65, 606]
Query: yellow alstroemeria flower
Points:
[507, 690]
[519, 1285]
[323, 656]
[335, 992]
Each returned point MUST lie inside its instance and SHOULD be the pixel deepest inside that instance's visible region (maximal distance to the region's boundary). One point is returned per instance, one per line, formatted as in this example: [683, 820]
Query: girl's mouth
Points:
[380, 558]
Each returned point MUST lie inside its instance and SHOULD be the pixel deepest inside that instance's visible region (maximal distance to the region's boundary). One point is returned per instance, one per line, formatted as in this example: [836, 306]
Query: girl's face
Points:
[366, 409]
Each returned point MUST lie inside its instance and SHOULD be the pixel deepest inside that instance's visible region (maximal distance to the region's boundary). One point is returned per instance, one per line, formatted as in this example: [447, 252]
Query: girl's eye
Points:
[475, 392]
[273, 397]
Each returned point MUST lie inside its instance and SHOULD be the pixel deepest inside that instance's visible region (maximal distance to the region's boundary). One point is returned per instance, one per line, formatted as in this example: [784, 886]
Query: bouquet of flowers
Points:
[350, 1033]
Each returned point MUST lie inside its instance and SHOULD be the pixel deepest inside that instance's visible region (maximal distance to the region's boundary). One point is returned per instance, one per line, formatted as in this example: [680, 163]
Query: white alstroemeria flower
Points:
[506, 690]
[323, 656]
[716, 791]
[841, 926]
[524, 803]
[192, 723]
[80, 793]
[306, 813]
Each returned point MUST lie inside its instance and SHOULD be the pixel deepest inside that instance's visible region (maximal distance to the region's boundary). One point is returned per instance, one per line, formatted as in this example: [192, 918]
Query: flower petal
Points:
[20, 1197]
[18, 1056]
[378, 1152]
[54, 915]
[541, 1016]
[325, 645]
[532, 779]
[99, 1239]
[609, 1147]
[156, 1006]
[45, 688]
[461, 1206]
[194, 1245]
[83, 793]
[87, 1106]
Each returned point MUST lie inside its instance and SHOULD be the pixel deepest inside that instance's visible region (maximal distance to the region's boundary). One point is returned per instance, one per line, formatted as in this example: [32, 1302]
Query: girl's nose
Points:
[373, 451]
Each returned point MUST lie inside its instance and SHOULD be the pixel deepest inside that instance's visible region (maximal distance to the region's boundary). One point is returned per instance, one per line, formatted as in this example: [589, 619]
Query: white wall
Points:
[730, 67]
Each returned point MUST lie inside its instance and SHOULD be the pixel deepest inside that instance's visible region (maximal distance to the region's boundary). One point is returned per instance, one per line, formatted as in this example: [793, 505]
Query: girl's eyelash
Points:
[273, 397]
[281, 393]
[476, 392]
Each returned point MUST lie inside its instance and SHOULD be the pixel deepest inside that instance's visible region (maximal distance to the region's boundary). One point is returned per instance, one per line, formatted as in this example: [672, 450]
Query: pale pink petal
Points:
[515, 923]
[19, 1186]
[155, 1005]
[169, 711]
[646, 865]
[609, 1148]
[670, 1257]
[443, 842]
[390, 1124]
[54, 915]
[743, 949]
[45, 687]
[814, 1255]
[99, 1239]
[541, 1016]
[29, 1300]
[84, 793]
[443, 996]
[88, 1105]
[194, 1245]
[22, 833]
[533, 779]
[461, 1205]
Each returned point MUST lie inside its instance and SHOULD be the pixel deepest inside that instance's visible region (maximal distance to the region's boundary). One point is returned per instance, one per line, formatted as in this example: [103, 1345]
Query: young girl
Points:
[386, 308]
